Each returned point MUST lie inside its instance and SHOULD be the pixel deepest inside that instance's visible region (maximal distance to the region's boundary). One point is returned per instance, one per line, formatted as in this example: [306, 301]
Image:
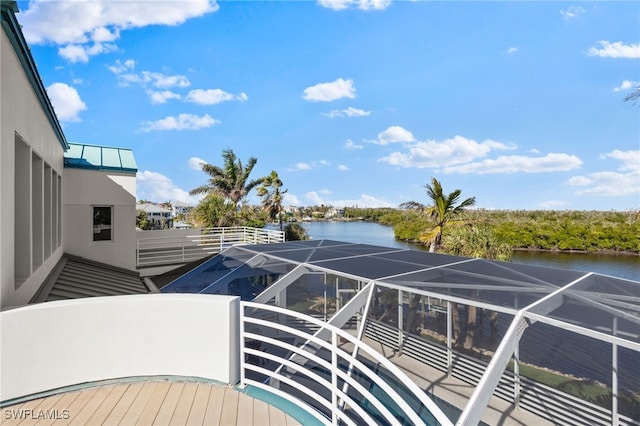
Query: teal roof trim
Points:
[13, 30]
[94, 157]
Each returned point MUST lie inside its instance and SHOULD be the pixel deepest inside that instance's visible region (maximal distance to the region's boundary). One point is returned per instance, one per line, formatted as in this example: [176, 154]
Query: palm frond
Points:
[412, 205]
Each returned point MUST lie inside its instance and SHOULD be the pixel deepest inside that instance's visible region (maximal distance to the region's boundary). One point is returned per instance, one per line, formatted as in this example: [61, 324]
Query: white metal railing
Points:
[324, 377]
[174, 247]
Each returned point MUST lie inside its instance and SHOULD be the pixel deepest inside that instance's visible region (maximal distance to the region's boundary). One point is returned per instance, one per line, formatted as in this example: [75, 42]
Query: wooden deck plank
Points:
[121, 408]
[185, 402]
[276, 417]
[214, 406]
[152, 407]
[160, 402]
[229, 408]
[76, 406]
[245, 410]
[260, 412]
[291, 421]
[58, 413]
[199, 407]
[102, 412]
[169, 404]
[96, 398]
[12, 419]
[46, 404]
[139, 403]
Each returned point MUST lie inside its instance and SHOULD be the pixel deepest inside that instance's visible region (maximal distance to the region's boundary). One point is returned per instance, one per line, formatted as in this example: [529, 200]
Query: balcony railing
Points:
[183, 246]
[327, 372]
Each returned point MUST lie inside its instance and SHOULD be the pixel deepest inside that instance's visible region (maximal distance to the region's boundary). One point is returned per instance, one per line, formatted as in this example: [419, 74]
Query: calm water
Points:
[380, 235]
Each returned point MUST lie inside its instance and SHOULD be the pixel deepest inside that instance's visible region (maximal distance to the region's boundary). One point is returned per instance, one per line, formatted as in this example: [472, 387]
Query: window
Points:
[102, 229]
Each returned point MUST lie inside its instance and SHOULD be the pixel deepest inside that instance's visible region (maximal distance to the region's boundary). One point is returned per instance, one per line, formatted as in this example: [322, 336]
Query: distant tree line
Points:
[588, 231]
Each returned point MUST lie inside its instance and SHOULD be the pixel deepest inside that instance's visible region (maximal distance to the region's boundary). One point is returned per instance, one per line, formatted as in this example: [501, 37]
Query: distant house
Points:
[158, 216]
[181, 209]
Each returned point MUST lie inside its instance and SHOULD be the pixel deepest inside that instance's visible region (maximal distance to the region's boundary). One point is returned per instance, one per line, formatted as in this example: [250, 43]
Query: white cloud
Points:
[314, 198]
[611, 184]
[626, 85]
[155, 79]
[290, 200]
[394, 134]
[154, 186]
[103, 34]
[630, 159]
[120, 67]
[349, 112]
[162, 97]
[615, 50]
[79, 53]
[196, 163]
[551, 162]
[300, 166]
[66, 102]
[439, 154]
[572, 12]
[349, 144]
[84, 27]
[356, 4]
[327, 92]
[343, 168]
[512, 50]
[308, 166]
[213, 96]
[181, 122]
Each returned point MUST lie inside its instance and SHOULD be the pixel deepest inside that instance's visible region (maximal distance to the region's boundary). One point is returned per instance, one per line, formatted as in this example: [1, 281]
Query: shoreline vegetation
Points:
[567, 231]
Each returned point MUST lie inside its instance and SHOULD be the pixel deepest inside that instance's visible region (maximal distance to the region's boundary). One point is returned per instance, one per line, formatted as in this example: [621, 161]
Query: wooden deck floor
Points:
[148, 403]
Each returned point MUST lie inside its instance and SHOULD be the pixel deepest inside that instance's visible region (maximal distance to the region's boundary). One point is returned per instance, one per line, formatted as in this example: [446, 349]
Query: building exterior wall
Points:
[84, 189]
[24, 124]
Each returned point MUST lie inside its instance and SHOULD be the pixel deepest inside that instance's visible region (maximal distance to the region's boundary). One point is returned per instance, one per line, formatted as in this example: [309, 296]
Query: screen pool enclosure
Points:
[560, 343]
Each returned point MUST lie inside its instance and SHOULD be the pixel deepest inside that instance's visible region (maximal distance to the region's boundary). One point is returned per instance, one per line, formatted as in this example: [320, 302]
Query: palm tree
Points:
[443, 211]
[230, 181]
[272, 196]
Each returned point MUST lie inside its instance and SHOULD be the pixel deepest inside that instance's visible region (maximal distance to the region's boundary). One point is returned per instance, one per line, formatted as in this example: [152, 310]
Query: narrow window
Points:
[22, 211]
[37, 204]
[102, 228]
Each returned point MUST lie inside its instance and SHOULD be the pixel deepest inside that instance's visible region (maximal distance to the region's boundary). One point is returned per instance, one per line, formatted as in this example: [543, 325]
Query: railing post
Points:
[516, 375]
[242, 347]
[614, 377]
[400, 319]
[334, 378]
[449, 343]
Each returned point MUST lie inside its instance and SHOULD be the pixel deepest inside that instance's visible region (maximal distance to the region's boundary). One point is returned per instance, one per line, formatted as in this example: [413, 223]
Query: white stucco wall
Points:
[22, 114]
[59, 344]
[84, 189]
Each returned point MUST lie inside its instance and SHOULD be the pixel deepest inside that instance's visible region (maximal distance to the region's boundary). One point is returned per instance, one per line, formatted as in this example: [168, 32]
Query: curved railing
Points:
[327, 371]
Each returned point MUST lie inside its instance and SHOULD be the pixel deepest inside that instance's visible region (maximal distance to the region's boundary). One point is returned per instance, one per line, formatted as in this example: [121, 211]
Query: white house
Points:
[158, 216]
[57, 198]
[181, 208]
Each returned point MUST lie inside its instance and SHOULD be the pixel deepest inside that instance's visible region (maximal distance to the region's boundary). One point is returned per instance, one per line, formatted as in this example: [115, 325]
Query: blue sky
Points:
[519, 104]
